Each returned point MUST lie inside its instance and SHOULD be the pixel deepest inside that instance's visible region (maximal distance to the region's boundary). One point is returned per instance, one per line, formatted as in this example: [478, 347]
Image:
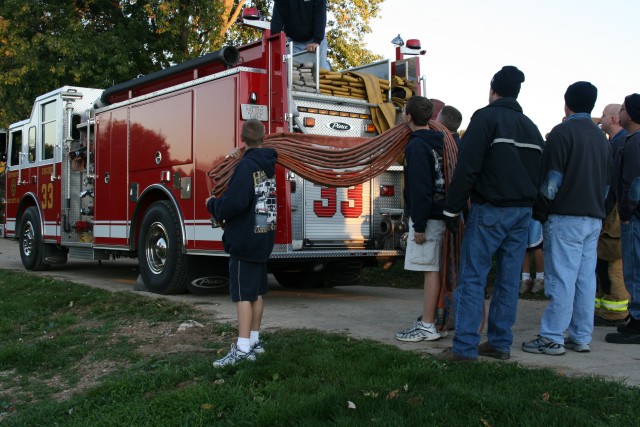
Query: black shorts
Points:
[247, 280]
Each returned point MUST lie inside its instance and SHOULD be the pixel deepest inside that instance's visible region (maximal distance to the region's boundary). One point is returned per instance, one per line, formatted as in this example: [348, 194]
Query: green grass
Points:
[305, 378]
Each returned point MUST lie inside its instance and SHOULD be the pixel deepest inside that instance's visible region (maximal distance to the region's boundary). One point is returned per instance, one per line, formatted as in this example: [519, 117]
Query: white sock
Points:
[243, 345]
[526, 276]
[426, 325]
[540, 275]
[254, 337]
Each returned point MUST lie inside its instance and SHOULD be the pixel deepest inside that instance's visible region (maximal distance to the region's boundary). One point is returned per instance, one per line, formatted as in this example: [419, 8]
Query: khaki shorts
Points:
[425, 257]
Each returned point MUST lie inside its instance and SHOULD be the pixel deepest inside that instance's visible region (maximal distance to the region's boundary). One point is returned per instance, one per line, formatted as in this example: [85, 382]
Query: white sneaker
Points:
[419, 332]
[234, 356]
[538, 286]
[580, 348]
[257, 348]
[525, 286]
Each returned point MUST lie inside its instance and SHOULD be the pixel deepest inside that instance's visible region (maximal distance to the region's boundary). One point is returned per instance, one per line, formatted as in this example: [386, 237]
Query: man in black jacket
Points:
[248, 208]
[498, 167]
[574, 183]
[627, 188]
[304, 22]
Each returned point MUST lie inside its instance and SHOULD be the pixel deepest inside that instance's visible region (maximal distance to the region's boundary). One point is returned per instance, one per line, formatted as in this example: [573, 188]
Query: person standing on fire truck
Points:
[424, 195]
[249, 236]
[498, 166]
[304, 22]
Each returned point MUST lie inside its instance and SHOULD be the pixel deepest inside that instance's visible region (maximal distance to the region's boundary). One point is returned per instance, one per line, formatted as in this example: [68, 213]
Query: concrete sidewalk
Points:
[363, 312]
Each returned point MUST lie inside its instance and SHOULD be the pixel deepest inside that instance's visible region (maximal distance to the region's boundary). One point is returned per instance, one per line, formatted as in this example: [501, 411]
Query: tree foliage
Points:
[46, 44]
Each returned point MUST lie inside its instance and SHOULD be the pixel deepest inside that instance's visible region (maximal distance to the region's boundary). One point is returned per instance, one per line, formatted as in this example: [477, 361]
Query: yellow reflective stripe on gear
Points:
[598, 302]
[614, 305]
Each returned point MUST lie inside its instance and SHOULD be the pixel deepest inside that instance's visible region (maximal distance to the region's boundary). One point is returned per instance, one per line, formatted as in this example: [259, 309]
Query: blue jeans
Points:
[570, 254]
[322, 56]
[489, 230]
[630, 237]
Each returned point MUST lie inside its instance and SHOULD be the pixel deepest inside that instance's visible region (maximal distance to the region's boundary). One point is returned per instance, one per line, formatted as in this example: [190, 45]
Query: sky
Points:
[554, 42]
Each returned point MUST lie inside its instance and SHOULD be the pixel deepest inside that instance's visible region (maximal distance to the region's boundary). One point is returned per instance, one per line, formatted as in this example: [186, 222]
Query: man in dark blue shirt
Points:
[627, 187]
[304, 22]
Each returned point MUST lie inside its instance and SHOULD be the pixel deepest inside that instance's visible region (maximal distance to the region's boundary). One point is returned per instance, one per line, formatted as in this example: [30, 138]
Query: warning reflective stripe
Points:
[516, 143]
[111, 229]
[51, 228]
[614, 305]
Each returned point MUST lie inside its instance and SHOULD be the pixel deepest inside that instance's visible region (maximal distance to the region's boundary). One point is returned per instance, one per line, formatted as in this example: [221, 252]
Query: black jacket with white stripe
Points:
[499, 159]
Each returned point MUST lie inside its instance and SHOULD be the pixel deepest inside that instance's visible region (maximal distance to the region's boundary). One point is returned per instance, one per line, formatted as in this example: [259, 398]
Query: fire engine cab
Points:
[100, 174]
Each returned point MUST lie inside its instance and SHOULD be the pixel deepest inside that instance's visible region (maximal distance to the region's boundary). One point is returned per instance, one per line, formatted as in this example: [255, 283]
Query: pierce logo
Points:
[339, 126]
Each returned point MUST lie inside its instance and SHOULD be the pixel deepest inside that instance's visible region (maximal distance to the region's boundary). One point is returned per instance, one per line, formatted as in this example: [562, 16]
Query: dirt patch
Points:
[186, 337]
[90, 374]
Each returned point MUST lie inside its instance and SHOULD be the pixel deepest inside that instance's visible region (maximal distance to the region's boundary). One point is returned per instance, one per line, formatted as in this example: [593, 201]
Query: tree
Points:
[49, 44]
[46, 44]
[348, 20]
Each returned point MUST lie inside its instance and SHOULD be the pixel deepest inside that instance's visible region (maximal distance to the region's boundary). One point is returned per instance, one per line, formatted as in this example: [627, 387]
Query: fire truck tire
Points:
[163, 265]
[299, 279]
[31, 244]
[346, 277]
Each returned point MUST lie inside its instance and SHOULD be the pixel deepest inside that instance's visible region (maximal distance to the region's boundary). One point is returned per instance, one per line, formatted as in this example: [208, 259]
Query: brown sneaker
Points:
[448, 355]
[485, 349]
[538, 286]
[525, 286]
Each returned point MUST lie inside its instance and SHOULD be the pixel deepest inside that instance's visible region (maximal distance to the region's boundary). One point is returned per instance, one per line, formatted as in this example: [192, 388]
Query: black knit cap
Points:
[632, 105]
[506, 82]
[580, 97]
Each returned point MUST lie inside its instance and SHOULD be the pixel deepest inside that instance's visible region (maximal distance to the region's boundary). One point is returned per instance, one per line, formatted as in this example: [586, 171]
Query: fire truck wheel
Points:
[163, 265]
[299, 279]
[346, 277]
[31, 245]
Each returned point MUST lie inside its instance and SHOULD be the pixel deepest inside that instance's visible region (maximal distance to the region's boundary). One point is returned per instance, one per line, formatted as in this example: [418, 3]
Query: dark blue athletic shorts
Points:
[247, 280]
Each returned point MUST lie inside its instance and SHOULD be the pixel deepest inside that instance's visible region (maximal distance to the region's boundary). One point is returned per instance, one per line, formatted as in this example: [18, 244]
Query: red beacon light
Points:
[413, 44]
[251, 13]
[413, 47]
[251, 17]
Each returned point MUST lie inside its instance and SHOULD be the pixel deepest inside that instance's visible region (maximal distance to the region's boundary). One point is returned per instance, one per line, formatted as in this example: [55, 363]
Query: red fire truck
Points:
[101, 174]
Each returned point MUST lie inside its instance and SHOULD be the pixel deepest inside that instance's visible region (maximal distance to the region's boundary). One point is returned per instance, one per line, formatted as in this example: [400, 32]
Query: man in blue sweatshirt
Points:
[248, 209]
[304, 22]
[574, 181]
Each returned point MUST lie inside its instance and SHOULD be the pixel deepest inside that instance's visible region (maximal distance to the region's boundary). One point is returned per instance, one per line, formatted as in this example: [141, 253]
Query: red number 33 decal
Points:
[354, 195]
